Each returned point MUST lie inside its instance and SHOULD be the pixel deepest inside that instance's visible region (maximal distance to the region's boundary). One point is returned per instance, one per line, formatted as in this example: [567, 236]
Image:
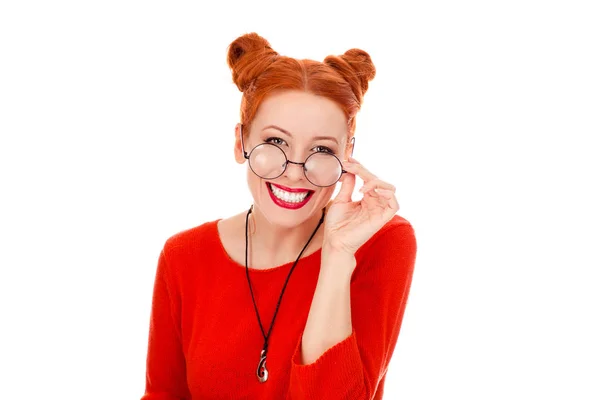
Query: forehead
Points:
[302, 114]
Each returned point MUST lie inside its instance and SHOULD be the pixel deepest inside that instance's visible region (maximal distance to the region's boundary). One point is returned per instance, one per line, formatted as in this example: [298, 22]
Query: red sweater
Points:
[205, 341]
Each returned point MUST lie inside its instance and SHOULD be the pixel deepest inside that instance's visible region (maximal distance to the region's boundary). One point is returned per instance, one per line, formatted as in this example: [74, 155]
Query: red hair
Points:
[258, 70]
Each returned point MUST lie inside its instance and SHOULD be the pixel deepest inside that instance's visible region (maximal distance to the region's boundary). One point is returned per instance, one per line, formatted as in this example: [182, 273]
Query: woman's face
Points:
[303, 116]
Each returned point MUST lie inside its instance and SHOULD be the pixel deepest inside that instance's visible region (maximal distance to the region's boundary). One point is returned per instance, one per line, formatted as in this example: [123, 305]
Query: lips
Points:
[285, 204]
[287, 189]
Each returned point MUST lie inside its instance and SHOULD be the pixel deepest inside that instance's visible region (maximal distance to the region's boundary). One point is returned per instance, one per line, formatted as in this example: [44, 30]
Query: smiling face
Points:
[300, 124]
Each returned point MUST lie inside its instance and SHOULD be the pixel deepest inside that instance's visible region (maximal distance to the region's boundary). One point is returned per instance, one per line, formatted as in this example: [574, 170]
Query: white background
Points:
[116, 115]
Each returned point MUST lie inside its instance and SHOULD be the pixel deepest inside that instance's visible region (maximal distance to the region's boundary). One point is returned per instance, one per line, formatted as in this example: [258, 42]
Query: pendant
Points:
[264, 374]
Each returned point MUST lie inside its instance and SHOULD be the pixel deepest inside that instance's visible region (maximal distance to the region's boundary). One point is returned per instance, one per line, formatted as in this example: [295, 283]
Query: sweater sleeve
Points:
[165, 362]
[353, 368]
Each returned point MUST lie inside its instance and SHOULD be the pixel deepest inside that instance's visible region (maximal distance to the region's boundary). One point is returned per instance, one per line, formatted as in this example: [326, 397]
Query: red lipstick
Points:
[285, 204]
[287, 189]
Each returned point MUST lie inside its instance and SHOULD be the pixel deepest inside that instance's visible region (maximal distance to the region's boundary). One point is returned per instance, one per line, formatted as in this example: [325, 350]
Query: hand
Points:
[348, 224]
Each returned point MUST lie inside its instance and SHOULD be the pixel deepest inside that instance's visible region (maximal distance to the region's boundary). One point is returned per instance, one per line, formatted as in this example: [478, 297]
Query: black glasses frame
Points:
[247, 157]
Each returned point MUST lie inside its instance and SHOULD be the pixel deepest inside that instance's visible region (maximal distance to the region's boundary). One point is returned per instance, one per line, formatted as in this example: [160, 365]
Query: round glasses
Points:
[269, 161]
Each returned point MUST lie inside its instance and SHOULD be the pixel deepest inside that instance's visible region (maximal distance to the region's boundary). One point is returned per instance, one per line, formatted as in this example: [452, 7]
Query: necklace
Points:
[261, 372]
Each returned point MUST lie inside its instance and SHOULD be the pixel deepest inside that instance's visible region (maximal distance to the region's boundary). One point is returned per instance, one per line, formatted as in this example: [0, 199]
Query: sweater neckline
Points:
[235, 264]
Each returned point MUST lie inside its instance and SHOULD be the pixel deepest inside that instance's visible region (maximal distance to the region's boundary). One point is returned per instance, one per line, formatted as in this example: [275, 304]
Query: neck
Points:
[288, 241]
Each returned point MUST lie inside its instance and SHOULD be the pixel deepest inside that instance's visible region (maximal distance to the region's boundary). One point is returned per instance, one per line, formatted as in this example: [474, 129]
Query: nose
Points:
[294, 170]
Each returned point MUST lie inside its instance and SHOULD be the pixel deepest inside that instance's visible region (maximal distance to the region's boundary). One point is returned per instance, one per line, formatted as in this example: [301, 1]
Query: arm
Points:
[165, 363]
[329, 319]
[354, 323]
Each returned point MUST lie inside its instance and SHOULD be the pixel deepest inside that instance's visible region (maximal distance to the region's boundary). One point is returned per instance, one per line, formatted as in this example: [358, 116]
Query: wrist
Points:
[337, 260]
[340, 251]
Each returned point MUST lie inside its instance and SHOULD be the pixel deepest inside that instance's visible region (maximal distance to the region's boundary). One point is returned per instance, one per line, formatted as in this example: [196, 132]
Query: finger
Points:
[377, 183]
[389, 196]
[358, 169]
[345, 194]
[385, 197]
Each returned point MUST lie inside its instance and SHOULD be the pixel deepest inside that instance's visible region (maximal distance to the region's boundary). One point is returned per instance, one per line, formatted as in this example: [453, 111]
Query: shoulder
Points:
[187, 242]
[395, 231]
[394, 243]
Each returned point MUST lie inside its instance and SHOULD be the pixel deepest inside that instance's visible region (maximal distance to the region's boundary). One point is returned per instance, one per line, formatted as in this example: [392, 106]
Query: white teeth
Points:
[287, 196]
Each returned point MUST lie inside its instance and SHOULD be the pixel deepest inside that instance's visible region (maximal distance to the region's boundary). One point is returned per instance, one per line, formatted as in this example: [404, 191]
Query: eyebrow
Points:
[290, 135]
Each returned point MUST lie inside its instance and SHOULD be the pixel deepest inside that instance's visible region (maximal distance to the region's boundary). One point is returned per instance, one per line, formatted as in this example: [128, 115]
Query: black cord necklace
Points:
[261, 371]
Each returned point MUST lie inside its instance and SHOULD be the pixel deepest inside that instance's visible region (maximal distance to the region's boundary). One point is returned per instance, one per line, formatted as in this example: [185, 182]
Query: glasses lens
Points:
[323, 169]
[267, 161]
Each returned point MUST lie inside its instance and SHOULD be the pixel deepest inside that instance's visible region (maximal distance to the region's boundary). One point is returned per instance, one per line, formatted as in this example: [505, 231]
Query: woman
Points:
[297, 297]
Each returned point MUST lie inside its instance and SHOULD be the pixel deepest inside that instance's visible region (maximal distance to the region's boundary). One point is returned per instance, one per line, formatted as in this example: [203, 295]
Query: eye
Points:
[325, 149]
[269, 140]
[279, 142]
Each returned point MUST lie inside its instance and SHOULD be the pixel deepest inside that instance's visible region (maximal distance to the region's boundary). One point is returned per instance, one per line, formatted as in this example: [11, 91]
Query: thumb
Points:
[345, 194]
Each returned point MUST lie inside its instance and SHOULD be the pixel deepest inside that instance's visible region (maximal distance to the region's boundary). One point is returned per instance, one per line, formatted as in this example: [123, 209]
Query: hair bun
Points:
[248, 56]
[357, 68]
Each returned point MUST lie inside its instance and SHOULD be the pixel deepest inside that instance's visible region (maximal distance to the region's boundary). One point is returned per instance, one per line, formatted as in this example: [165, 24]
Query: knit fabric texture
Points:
[205, 341]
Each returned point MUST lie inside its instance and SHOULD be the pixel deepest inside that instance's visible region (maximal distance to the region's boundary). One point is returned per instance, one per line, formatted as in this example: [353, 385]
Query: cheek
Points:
[253, 181]
[326, 193]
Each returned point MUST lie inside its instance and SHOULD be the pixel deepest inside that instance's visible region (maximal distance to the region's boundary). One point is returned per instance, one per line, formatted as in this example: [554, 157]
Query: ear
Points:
[237, 148]
[349, 149]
